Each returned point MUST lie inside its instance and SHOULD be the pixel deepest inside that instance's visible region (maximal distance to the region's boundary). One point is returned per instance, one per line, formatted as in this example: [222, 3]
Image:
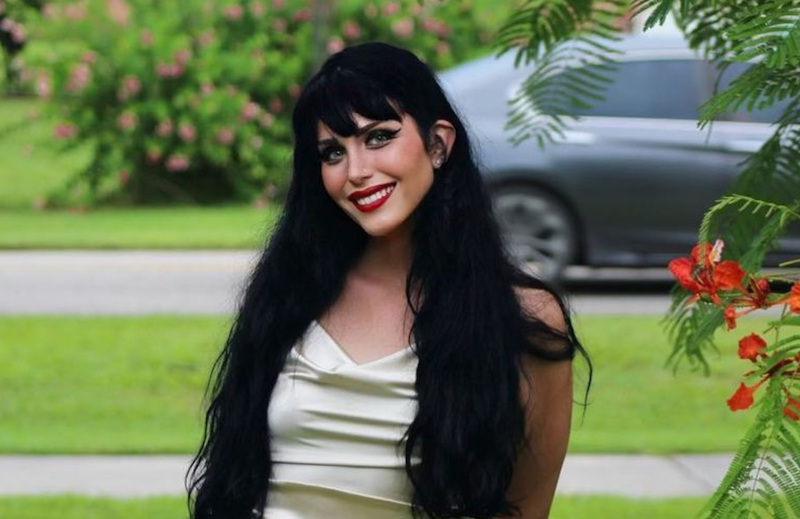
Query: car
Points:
[628, 184]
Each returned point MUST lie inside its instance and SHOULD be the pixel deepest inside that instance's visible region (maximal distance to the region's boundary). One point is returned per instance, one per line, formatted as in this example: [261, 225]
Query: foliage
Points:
[15, 17]
[762, 481]
[189, 101]
[559, 36]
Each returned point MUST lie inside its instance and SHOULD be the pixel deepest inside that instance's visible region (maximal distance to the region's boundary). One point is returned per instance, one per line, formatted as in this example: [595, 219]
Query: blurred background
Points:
[144, 156]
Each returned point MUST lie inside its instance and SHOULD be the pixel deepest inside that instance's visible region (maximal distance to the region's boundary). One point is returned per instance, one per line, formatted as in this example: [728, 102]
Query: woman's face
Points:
[379, 175]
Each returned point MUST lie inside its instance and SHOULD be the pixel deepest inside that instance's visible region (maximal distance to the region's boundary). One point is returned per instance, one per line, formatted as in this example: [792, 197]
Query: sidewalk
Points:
[640, 476]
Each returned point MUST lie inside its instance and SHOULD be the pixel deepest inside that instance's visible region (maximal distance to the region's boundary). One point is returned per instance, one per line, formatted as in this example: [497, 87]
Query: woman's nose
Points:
[358, 169]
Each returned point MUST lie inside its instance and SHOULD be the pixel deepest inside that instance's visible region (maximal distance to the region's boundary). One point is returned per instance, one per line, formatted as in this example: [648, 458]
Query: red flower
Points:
[793, 299]
[730, 318]
[792, 413]
[700, 278]
[728, 275]
[750, 347]
[742, 398]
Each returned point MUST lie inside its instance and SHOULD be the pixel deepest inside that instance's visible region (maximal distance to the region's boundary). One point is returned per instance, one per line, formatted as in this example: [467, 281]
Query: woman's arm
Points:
[548, 417]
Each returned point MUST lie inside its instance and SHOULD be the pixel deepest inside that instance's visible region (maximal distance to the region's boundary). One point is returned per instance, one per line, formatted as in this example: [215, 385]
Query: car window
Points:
[663, 88]
[763, 115]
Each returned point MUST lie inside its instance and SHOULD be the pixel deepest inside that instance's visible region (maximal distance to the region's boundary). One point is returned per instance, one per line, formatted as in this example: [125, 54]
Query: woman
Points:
[386, 239]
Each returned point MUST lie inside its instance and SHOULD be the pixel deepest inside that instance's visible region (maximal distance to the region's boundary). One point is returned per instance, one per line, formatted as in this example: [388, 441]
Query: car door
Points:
[741, 133]
[643, 173]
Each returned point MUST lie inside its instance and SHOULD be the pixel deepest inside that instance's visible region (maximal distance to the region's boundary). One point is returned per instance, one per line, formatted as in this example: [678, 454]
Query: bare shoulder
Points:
[547, 400]
[543, 305]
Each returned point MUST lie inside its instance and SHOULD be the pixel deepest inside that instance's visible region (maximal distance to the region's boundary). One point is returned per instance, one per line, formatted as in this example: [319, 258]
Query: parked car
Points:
[630, 182]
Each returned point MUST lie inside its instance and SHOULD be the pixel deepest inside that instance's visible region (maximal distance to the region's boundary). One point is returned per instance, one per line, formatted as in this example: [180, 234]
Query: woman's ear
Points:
[443, 135]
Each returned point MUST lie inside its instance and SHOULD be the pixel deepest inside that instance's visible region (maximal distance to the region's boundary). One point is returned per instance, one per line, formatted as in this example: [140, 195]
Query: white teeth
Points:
[375, 196]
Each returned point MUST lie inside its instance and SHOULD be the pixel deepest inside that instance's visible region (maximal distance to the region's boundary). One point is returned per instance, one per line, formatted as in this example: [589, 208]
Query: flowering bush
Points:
[189, 101]
[15, 18]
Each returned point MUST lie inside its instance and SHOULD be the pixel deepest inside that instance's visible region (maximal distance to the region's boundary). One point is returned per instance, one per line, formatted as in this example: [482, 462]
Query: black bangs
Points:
[342, 92]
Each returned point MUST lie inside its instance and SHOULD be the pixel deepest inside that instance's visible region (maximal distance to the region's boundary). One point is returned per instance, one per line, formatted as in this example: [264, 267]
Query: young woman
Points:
[388, 358]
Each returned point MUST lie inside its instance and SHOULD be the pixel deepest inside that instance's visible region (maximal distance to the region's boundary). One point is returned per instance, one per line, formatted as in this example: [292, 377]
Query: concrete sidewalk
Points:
[136, 476]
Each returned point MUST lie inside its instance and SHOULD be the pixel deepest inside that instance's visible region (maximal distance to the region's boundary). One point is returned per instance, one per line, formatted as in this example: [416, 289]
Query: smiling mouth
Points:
[375, 200]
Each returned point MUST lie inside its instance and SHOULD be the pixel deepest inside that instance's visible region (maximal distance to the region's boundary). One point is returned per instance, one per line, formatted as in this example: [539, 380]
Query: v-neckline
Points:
[348, 358]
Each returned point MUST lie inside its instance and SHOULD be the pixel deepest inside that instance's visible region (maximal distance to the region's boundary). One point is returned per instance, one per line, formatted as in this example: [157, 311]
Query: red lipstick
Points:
[364, 208]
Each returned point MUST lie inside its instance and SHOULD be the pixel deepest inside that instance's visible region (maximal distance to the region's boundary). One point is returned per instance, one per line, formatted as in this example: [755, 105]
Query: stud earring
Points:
[437, 162]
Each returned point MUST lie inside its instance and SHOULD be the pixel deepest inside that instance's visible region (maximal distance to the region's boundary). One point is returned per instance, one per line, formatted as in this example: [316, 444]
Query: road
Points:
[209, 282]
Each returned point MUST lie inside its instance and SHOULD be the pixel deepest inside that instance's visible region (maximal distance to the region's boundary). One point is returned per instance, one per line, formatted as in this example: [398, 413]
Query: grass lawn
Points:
[232, 227]
[564, 507]
[134, 385]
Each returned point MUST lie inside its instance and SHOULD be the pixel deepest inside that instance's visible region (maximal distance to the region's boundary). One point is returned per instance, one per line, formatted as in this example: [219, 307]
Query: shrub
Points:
[189, 101]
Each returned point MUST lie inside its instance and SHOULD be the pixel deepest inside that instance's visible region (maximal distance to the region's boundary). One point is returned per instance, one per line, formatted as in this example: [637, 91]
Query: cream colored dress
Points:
[335, 424]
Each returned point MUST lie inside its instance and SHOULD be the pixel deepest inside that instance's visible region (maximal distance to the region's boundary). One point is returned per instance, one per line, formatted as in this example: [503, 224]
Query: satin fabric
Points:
[335, 428]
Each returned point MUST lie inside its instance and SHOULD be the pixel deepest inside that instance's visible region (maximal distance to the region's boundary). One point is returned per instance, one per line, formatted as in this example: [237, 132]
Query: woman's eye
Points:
[381, 136]
[330, 154]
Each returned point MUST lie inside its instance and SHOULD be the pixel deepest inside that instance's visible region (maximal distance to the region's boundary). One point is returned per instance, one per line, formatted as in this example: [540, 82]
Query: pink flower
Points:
[123, 176]
[257, 9]
[187, 132]
[127, 120]
[118, 11]
[65, 131]
[18, 33]
[153, 156]
[403, 28]
[78, 77]
[146, 37]
[232, 12]
[89, 56]
[294, 90]
[43, 86]
[169, 70]
[129, 88]
[206, 87]
[225, 135]
[279, 24]
[267, 119]
[351, 30]
[302, 15]
[277, 4]
[391, 8]
[275, 104]
[182, 56]
[437, 27]
[370, 10]
[250, 111]
[50, 11]
[441, 47]
[75, 11]
[335, 44]
[177, 162]
[164, 128]
[206, 37]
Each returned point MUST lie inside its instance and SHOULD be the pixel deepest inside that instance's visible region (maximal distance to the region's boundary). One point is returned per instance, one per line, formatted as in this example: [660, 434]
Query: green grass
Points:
[232, 227]
[564, 507]
[134, 385]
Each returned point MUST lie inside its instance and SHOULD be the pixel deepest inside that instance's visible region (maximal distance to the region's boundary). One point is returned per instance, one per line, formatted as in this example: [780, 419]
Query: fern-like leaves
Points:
[763, 480]
[568, 42]
[772, 31]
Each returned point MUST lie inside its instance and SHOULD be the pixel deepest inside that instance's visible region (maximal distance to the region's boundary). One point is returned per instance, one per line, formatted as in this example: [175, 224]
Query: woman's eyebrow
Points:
[359, 132]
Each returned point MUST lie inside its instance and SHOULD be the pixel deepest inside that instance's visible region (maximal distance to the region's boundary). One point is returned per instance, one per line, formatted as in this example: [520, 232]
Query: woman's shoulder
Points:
[543, 305]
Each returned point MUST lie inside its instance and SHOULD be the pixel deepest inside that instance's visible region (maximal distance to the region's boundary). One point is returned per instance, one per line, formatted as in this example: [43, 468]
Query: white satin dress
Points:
[334, 425]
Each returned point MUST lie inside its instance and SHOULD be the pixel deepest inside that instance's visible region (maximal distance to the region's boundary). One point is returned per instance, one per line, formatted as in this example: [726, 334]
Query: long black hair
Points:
[469, 327]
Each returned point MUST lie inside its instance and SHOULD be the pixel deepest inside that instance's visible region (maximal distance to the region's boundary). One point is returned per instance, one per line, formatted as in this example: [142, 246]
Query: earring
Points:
[437, 162]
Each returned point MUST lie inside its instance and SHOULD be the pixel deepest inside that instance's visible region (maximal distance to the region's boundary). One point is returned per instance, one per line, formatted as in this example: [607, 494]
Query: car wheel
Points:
[537, 229]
